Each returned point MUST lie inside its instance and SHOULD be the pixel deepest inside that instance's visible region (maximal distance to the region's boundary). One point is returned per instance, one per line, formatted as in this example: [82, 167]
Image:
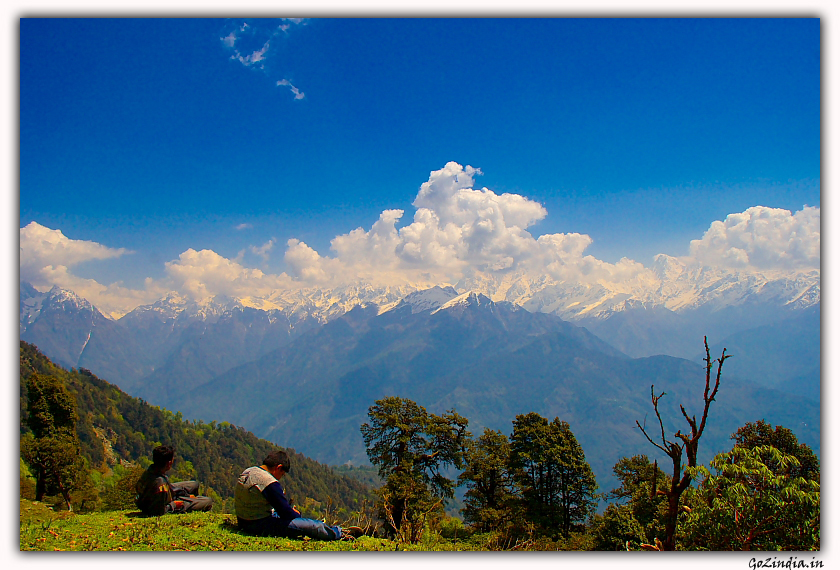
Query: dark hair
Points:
[162, 454]
[276, 458]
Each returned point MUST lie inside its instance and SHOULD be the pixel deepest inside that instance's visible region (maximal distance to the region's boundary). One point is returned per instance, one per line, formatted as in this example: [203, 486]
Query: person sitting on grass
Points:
[157, 496]
[263, 510]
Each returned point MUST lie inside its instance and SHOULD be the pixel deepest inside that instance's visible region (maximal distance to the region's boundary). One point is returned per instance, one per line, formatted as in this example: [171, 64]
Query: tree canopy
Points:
[549, 467]
[411, 447]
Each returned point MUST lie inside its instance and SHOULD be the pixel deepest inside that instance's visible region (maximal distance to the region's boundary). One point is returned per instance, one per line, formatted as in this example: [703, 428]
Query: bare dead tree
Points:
[680, 480]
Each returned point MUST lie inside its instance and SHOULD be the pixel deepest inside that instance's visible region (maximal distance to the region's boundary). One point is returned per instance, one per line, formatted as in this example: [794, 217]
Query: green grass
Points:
[43, 529]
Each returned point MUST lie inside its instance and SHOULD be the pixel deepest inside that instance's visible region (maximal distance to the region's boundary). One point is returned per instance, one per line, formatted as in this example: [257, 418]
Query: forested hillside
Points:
[117, 429]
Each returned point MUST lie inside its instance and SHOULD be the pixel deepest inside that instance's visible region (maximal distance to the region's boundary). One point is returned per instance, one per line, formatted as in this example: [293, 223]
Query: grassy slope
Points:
[45, 530]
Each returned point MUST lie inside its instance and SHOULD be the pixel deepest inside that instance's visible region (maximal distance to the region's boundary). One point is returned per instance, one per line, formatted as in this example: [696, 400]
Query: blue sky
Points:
[158, 135]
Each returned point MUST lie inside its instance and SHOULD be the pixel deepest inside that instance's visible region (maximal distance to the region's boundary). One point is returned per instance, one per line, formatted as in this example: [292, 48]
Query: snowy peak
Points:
[667, 268]
[325, 305]
[68, 300]
[425, 300]
[465, 301]
[54, 303]
[31, 302]
[175, 306]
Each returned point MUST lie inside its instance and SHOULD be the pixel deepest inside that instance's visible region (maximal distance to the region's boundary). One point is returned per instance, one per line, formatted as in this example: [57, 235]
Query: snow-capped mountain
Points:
[425, 300]
[670, 284]
[665, 310]
[75, 334]
[490, 360]
[33, 302]
[175, 306]
[327, 304]
[465, 301]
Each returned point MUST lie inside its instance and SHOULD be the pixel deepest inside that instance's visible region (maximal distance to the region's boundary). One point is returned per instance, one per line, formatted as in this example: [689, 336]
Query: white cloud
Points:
[241, 227]
[203, 274]
[42, 248]
[297, 92]
[762, 238]
[251, 45]
[229, 40]
[459, 231]
[308, 266]
[254, 57]
[456, 232]
[47, 258]
[264, 249]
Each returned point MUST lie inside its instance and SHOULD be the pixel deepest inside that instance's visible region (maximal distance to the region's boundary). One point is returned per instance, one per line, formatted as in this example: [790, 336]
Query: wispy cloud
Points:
[254, 58]
[264, 249]
[244, 226]
[252, 45]
[297, 92]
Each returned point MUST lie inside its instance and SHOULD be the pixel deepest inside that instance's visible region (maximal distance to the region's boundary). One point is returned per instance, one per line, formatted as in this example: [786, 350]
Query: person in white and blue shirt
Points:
[263, 510]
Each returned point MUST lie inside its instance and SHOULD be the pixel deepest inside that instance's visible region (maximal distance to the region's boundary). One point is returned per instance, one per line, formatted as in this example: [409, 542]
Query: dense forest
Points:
[117, 433]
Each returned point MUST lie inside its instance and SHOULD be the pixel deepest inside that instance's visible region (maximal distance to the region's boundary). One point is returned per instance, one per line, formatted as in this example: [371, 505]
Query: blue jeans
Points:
[295, 528]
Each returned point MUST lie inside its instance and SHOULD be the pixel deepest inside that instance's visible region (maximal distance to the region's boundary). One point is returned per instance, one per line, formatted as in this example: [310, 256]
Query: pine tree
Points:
[411, 447]
[53, 450]
[488, 502]
[557, 485]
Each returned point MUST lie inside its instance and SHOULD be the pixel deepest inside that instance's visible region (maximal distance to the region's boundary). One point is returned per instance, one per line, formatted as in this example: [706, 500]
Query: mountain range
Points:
[666, 311]
[303, 369]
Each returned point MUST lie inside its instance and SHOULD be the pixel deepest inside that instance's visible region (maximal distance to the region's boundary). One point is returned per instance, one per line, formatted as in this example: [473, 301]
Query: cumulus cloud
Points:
[307, 265]
[47, 258]
[762, 238]
[204, 274]
[43, 250]
[41, 247]
[457, 231]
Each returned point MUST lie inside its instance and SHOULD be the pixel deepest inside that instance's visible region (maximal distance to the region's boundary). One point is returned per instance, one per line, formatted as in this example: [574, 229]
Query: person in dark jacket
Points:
[263, 510]
[156, 495]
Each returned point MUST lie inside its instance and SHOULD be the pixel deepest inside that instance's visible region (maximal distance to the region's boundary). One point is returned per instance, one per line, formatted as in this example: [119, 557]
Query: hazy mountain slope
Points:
[643, 331]
[207, 349]
[603, 397]
[488, 361]
[783, 355]
[343, 367]
[75, 334]
[666, 310]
